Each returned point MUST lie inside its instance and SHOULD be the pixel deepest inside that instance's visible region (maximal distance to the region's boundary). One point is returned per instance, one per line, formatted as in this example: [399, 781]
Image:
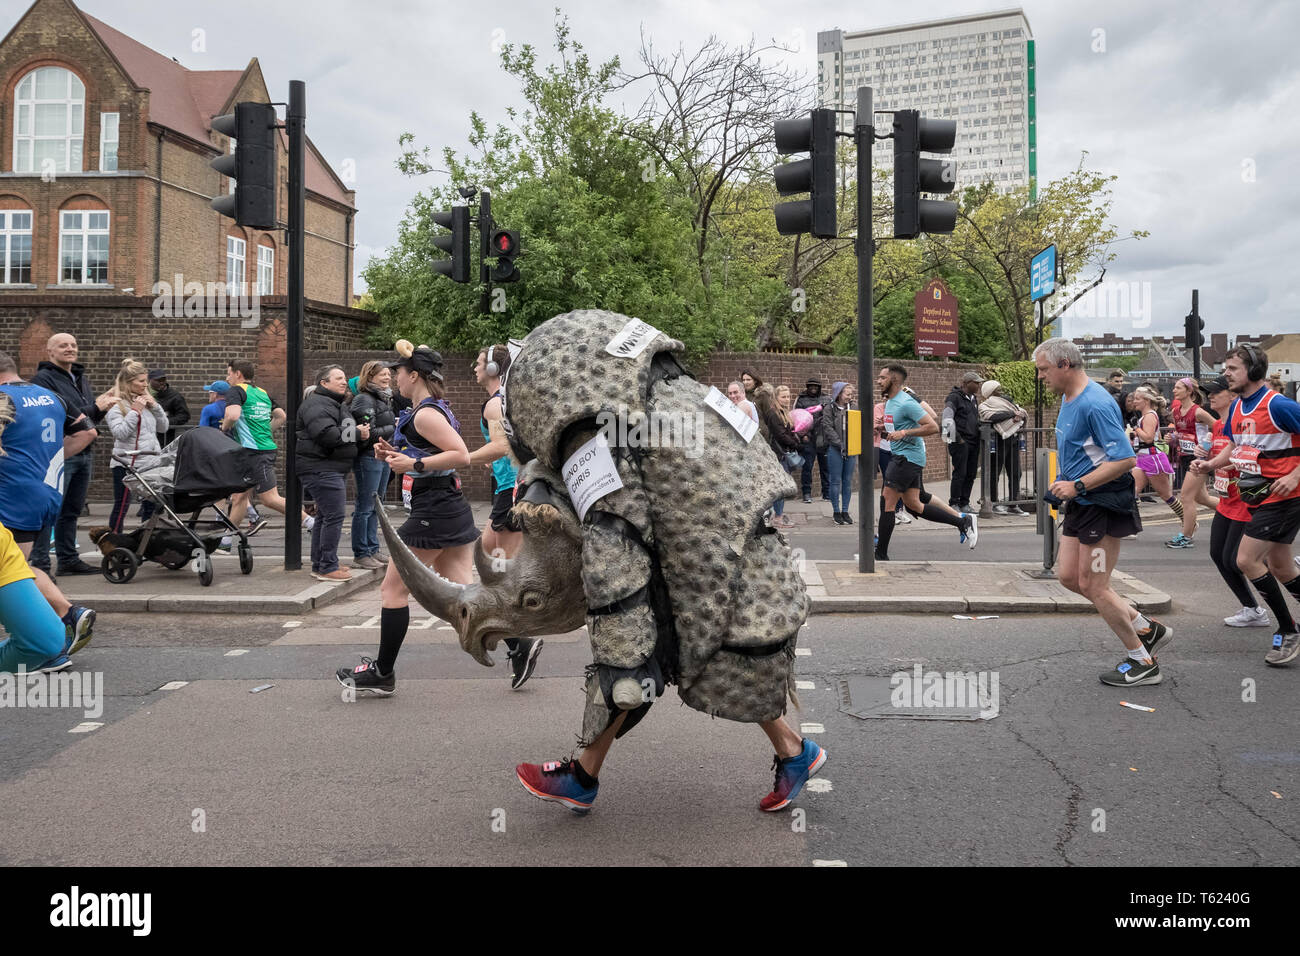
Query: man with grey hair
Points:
[67, 378]
[1094, 486]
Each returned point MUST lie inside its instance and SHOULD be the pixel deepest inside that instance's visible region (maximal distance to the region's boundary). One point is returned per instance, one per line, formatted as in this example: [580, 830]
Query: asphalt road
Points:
[207, 772]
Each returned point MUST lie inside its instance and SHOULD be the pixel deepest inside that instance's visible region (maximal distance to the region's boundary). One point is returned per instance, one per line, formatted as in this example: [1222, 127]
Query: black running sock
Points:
[1293, 586]
[393, 622]
[884, 531]
[1269, 590]
[1177, 506]
[584, 778]
[936, 514]
[512, 643]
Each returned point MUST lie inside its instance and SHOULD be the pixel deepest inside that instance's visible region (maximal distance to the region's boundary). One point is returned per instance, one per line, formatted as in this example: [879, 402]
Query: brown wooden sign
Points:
[936, 320]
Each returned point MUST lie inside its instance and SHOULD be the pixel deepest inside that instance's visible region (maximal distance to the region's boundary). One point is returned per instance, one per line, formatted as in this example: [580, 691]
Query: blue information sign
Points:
[1042, 274]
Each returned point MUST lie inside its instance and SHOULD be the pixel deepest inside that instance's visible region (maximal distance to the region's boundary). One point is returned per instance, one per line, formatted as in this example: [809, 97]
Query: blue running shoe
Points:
[60, 663]
[791, 774]
[80, 622]
[557, 781]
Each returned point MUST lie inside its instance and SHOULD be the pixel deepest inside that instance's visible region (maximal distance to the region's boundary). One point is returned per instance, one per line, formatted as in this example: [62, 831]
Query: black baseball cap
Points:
[423, 360]
[1219, 384]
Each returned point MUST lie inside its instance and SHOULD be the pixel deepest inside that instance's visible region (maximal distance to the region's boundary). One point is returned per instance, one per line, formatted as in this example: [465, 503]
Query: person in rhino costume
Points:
[680, 579]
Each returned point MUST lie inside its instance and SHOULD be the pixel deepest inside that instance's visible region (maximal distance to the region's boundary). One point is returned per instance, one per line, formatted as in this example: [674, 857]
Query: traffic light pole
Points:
[296, 121]
[864, 132]
[484, 248]
[1195, 327]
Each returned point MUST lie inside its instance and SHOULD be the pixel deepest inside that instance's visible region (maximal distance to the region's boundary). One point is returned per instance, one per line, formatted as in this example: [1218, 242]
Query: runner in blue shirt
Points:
[1094, 480]
[905, 424]
[40, 432]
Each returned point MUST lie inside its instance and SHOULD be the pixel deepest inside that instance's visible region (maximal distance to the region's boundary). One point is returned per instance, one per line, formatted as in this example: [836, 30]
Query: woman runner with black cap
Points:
[441, 531]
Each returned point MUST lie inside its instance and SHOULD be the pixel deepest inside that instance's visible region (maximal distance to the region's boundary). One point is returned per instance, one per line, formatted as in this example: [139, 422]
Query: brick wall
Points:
[193, 349]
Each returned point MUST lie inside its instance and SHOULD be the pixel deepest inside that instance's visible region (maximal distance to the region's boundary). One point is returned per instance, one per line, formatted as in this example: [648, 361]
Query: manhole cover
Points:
[932, 695]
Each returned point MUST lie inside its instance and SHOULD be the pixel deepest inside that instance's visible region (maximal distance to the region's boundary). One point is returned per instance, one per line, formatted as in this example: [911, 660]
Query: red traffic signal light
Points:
[505, 242]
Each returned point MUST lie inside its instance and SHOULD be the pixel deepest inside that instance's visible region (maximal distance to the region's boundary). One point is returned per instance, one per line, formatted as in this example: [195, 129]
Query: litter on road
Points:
[1149, 710]
[261, 687]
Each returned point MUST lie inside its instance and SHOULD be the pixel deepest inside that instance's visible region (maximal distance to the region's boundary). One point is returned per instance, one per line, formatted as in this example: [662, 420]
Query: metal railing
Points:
[1011, 479]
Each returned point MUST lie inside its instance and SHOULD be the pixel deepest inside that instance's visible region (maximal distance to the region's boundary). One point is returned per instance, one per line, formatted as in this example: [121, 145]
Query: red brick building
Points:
[105, 180]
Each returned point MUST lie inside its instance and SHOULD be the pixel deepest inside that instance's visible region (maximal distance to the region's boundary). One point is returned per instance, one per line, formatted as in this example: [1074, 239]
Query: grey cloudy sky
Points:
[1193, 103]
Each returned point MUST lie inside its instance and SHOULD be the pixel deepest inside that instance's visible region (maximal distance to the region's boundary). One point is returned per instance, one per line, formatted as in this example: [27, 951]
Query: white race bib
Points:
[632, 340]
[1221, 484]
[590, 475]
[408, 483]
[731, 414]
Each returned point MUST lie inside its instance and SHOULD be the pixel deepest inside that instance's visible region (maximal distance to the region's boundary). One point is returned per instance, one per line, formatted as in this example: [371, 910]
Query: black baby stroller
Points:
[200, 468]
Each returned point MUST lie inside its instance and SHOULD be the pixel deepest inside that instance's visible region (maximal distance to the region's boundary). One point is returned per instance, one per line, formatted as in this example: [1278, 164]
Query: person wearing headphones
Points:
[1263, 432]
[502, 536]
[1095, 486]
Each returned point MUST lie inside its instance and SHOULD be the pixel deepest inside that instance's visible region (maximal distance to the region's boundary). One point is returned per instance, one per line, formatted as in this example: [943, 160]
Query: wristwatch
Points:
[418, 466]
[1080, 488]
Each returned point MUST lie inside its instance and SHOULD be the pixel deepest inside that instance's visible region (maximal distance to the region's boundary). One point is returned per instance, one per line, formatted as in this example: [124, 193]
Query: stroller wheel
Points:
[245, 559]
[205, 575]
[119, 565]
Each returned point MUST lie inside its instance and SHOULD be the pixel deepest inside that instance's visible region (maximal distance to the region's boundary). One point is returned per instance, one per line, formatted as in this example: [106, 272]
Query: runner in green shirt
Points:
[250, 415]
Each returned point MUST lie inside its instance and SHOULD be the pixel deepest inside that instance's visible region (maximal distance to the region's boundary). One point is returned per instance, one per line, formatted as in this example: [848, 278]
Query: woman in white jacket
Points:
[1008, 421]
[136, 421]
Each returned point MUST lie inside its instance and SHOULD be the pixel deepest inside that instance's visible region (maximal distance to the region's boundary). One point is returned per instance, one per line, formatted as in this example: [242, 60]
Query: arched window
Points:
[49, 114]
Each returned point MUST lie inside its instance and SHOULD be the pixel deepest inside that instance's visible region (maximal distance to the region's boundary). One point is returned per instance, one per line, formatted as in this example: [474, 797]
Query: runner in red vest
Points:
[1192, 425]
[1230, 517]
[1263, 430]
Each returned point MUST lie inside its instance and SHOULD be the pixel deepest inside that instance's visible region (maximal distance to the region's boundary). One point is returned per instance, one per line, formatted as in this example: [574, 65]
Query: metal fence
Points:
[1007, 475]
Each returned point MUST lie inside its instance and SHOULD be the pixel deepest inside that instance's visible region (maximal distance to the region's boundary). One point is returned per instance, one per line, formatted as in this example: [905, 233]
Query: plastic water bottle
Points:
[1022, 442]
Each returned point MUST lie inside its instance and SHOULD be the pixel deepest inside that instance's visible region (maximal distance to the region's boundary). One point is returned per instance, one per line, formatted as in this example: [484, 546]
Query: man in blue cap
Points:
[216, 408]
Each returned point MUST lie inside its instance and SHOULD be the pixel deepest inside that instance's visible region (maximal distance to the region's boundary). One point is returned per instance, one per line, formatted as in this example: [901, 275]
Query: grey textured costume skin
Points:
[682, 581]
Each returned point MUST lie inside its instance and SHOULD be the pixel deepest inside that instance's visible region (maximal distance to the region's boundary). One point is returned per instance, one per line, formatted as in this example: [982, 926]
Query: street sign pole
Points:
[864, 246]
[296, 121]
[1196, 348]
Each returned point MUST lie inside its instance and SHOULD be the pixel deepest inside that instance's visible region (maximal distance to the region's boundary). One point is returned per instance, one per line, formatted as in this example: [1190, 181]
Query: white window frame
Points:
[9, 233]
[26, 107]
[265, 270]
[85, 232]
[236, 257]
[104, 166]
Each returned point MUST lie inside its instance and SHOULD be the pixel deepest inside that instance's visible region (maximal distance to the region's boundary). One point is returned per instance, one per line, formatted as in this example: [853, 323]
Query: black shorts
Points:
[23, 537]
[1091, 523]
[440, 518]
[264, 471]
[902, 475]
[501, 519]
[1275, 521]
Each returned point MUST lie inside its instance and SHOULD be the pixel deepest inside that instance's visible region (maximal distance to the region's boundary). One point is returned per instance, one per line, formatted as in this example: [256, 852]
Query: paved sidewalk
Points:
[956, 587]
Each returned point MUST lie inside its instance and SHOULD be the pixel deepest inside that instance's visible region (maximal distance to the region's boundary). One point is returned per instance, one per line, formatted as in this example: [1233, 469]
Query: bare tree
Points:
[709, 118]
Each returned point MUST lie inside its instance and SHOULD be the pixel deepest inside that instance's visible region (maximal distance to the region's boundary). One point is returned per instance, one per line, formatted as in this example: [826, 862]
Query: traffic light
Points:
[913, 175]
[1193, 331]
[815, 175]
[456, 242]
[504, 247]
[252, 165]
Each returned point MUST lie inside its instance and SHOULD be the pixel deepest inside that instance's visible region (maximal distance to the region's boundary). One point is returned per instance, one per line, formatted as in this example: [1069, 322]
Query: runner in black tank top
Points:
[440, 529]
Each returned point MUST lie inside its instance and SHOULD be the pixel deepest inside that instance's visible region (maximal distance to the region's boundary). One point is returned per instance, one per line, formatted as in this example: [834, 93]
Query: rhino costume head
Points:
[538, 591]
[680, 578]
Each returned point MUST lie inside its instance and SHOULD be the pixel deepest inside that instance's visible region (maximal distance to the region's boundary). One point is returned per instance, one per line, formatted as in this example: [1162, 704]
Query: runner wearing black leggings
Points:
[1230, 518]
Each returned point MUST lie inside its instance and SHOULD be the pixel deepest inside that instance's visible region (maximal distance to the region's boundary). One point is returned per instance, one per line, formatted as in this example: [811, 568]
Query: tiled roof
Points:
[186, 100]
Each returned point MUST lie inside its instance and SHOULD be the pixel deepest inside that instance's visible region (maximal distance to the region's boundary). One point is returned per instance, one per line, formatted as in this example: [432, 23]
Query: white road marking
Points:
[802, 652]
[173, 685]
[292, 624]
[818, 785]
[235, 653]
[804, 685]
[85, 727]
[829, 863]
[446, 627]
[811, 729]
[371, 622]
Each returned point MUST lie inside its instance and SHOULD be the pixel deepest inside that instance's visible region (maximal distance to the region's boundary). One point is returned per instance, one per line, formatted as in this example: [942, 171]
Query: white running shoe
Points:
[971, 535]
[902, 517]
[1249, 617]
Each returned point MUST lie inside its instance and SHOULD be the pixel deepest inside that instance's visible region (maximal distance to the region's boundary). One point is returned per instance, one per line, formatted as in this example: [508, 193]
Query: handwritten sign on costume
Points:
[590, 474]
[632, 340]
[731, 414]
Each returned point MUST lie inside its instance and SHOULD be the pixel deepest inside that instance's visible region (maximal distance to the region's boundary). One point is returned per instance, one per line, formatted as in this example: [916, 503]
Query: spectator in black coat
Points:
[65, 377]
[327, 447]
[962, 406]
[812, 397]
